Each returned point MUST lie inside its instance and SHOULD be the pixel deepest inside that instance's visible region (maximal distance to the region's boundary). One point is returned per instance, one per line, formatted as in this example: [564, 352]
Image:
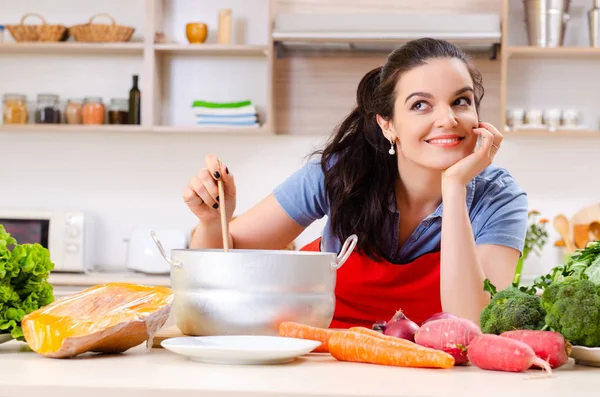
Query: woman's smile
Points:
[446, 141]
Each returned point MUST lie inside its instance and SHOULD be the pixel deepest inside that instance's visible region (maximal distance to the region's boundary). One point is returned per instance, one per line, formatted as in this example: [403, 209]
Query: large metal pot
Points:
[250, 292]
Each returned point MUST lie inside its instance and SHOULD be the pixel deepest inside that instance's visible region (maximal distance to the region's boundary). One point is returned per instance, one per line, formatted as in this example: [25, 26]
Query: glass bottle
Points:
[134, 102]
[73, 111]
[118, 111]
[15, 109]
[93, 110]
[47, 111]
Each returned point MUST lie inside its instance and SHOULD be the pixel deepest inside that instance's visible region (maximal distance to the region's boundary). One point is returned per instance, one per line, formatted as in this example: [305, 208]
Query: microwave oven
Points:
[66, 235]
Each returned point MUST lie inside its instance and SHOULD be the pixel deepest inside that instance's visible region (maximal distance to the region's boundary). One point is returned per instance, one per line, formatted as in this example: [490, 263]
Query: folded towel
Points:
[226, 119]
[229, 123]
[221, 105]
[243, 111]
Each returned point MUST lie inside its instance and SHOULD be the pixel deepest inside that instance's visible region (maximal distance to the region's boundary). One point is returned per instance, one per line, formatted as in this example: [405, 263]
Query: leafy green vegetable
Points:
[24, 285]
[583, 264]
[511, 309]
[573, 309]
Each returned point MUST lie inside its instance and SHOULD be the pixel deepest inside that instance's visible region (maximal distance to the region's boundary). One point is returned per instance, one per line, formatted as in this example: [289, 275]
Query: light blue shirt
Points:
[497, 208]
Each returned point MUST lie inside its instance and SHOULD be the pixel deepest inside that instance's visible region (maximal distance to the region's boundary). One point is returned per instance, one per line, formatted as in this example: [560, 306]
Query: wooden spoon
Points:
[581, 235]
[595, 230]
[224, 224]
[561, 224]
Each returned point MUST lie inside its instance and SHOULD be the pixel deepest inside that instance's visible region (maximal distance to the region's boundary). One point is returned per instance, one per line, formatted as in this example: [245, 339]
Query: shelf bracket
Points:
[278, 49]
[495, 49]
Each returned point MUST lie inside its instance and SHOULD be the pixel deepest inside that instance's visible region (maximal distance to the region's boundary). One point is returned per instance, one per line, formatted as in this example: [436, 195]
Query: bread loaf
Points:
[107, 318]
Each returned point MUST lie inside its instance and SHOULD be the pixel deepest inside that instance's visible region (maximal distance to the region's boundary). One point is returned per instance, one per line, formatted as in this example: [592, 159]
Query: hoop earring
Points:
[392, 151]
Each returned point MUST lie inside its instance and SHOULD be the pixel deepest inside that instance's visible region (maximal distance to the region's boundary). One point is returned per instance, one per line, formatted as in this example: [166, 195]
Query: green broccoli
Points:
[573, 309]
[511, 309]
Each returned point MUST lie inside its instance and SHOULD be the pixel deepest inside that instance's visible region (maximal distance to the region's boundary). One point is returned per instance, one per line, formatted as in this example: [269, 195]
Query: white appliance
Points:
[66, 235]
[143, 254]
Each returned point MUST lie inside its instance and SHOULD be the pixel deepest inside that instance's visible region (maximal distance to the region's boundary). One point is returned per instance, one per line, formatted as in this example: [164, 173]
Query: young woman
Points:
[403, 172]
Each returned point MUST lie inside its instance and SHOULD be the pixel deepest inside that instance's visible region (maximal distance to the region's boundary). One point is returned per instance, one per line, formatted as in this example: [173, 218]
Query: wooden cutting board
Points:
[586, 215]
[168, 332]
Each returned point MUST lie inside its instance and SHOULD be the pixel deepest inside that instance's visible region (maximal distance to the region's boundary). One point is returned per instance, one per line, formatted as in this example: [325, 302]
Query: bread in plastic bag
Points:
[107, 318]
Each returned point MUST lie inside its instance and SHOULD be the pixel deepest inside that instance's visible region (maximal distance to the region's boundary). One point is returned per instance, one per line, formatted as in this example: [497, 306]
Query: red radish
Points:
[438, 316]
[399, 326]
[497, 353]
[550, 346]
[451, 335]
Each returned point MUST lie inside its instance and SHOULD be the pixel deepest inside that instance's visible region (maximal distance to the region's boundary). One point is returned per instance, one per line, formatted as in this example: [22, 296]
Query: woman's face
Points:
[434, 114]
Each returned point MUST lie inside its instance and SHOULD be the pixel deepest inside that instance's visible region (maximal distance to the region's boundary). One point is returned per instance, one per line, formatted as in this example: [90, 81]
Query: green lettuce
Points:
[24, 286]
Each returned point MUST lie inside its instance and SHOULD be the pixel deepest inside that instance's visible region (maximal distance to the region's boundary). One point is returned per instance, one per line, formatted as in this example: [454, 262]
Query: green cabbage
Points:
[24, 286]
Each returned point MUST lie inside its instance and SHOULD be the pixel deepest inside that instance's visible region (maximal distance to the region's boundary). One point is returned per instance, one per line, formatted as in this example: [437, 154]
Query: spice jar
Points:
[92, 111]
[73, 111]
[47, 111]
[15, 109]
[118, 111]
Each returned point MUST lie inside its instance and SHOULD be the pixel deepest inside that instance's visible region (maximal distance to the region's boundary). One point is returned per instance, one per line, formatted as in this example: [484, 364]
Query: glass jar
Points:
[73, 111]
[47, 111]
[118, 111]
[93, 110]
[15, 109]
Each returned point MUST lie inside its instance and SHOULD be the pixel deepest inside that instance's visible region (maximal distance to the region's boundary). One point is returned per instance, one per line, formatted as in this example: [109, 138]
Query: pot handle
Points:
[346, 250]
[162, 251]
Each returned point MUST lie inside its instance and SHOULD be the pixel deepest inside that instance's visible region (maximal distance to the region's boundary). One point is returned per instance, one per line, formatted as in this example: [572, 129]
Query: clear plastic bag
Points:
[107, 318]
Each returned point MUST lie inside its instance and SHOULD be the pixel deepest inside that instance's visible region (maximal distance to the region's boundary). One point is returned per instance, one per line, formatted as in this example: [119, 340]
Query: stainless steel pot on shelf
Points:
[250, 292]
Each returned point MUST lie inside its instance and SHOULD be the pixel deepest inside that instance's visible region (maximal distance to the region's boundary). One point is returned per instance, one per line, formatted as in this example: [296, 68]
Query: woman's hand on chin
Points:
[468, 168]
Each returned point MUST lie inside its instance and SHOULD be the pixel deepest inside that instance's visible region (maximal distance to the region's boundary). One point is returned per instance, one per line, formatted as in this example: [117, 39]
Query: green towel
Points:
[223, 105]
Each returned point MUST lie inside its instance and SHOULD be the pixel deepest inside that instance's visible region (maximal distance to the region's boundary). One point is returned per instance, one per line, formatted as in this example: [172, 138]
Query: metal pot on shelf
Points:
[546, 21]
[251, 291]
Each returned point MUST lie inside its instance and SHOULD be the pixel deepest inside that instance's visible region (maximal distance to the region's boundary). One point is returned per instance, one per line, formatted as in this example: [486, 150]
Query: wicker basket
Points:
[43, 32]
[101, 33]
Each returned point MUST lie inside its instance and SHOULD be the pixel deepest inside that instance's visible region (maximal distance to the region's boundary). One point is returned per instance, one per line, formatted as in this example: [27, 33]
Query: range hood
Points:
[383, 32]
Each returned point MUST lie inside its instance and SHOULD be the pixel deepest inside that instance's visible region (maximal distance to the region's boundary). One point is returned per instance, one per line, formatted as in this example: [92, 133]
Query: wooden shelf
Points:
[125, 129]
[73, 128]
[541, 52]
[560, 133]
[212, 49]
[71, 48]
[220, 130]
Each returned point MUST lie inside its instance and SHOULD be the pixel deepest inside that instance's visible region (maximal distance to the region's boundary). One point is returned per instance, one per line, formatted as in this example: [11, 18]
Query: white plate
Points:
[5, 338]
[586, 355]
[242, 349]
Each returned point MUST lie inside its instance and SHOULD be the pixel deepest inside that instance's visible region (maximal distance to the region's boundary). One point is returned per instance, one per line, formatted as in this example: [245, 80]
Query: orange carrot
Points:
[301, 331]
[363, 348]
[371, 332]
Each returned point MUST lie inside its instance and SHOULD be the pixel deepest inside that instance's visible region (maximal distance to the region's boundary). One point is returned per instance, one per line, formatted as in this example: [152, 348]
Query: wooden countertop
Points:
[160, 373]
[91, 279]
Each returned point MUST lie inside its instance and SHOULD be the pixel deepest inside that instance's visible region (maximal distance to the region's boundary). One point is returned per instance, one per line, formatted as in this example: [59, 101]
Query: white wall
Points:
[136, 181]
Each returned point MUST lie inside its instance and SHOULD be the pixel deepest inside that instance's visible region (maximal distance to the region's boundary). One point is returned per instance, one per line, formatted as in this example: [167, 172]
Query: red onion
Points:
[438, 316]
[401, 326]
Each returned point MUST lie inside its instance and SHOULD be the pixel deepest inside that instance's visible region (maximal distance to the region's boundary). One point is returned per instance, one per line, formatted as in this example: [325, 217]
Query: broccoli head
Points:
[512, 309]
[573, 309]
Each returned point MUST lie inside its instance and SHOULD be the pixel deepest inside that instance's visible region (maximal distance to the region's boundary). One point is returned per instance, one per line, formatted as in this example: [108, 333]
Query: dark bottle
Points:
[134, 102]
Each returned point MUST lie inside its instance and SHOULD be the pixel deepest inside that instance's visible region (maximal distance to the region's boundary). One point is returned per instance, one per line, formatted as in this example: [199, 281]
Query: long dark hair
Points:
[360, 174]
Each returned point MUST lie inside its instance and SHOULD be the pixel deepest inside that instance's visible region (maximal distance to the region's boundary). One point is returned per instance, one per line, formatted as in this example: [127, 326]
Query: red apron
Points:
[368, 291]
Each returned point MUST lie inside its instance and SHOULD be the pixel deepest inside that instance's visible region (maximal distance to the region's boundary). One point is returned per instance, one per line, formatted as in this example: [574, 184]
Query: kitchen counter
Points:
[160, 373]
[91, 279]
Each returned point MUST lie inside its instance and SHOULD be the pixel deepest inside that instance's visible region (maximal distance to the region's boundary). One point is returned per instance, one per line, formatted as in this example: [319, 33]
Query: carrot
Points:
[371, 332]
[291, 329]
[364, 348]
[499, 353]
